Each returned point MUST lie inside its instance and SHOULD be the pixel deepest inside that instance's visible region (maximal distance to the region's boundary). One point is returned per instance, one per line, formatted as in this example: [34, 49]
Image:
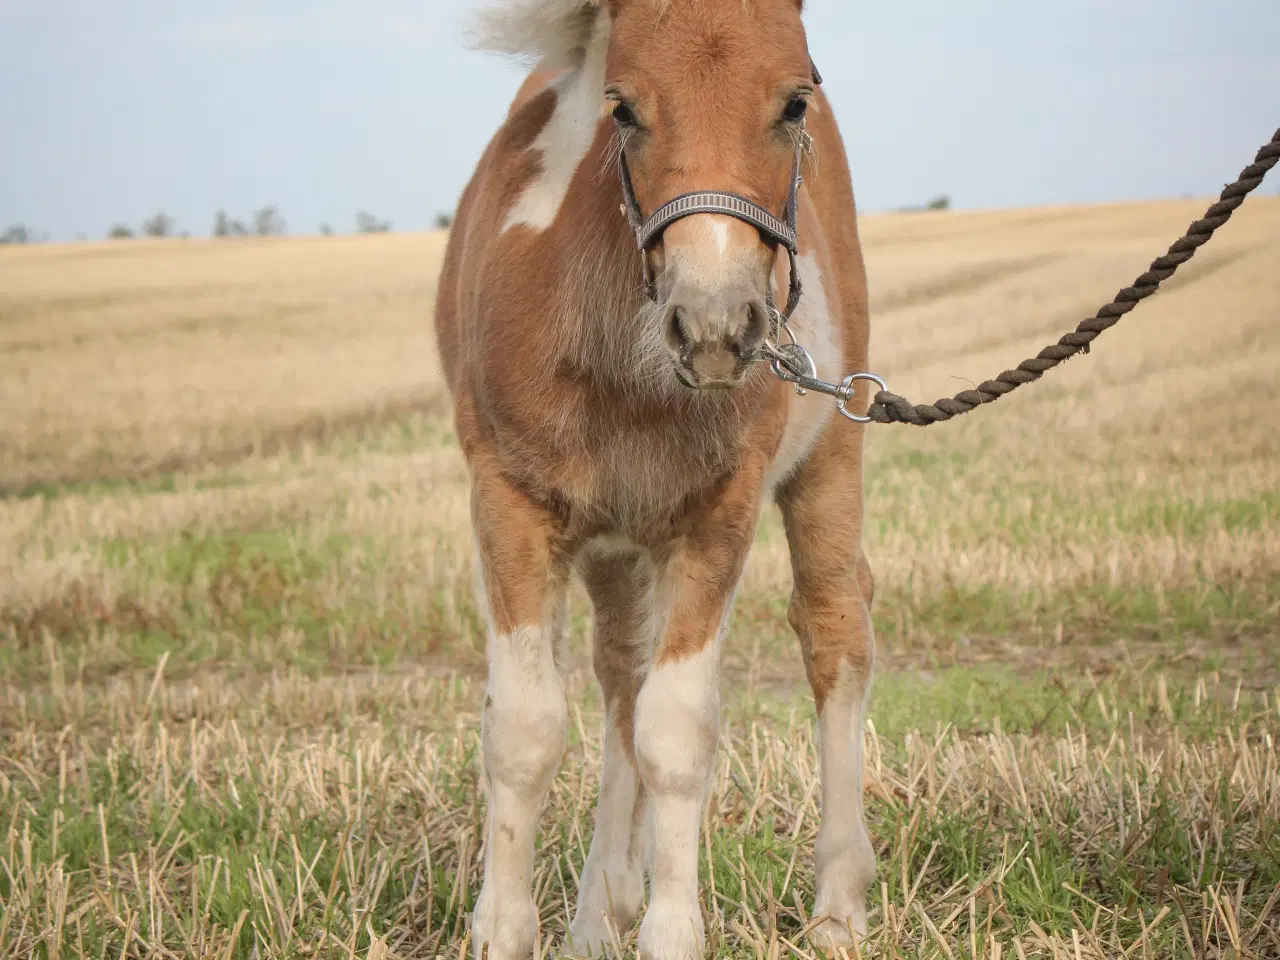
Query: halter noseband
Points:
[648, 232]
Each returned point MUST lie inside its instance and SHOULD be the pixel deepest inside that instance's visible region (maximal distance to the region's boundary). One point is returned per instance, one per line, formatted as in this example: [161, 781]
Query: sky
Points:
[112, 111]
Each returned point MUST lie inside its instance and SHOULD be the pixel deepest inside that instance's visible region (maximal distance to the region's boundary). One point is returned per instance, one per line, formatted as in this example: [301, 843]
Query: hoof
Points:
[588, 940]
[842, 925]
[509, 930]
[672, 932]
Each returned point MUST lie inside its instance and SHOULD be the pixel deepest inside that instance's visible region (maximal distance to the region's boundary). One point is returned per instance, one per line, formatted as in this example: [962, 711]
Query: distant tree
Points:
[18, 233]
[267, 222]
[941, 202]
[224, 226]
[366, 222]
[326, 230]
[119, 232]
[444, 220]
[161, 225]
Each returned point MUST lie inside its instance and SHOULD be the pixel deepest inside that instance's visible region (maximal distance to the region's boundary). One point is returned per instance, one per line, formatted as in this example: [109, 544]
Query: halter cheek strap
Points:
[782, 232]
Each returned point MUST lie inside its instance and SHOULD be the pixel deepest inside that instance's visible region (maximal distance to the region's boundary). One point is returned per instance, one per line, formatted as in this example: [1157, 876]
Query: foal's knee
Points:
[525, 713]
[836, 637]
[677, 724]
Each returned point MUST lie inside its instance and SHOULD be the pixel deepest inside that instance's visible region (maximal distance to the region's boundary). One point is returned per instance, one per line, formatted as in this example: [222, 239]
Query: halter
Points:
[783, 232]
[790, 361]
[648, 232]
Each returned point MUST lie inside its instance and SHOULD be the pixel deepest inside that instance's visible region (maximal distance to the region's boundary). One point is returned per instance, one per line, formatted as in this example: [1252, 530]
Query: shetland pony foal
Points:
[630, 434]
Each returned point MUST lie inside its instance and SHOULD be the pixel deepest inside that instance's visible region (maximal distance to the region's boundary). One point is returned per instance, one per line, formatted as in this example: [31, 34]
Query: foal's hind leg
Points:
[831, 613]
[612, 887]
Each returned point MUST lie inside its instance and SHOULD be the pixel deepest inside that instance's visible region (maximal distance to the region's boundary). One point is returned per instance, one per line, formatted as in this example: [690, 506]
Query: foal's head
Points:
[710, 95]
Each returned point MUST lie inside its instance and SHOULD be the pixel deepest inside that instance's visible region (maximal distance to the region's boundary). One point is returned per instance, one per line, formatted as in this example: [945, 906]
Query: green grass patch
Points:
[295, 846]
[254, 599]
[951, 617]
[123, 487]
[985, 699]
[1086, 613]
[232, 845]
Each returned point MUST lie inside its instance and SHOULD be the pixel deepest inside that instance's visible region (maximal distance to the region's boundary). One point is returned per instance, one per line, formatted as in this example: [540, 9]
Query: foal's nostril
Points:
[676, 333]
[753, 333]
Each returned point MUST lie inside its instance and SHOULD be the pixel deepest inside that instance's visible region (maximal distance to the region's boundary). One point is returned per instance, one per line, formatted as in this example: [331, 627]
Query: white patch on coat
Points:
[523, 737]
[677, 727]
[568, 135]
[818, 332]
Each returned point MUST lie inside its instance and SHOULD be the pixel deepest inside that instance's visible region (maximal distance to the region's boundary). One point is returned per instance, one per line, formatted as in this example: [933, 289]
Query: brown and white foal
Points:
[634, 439]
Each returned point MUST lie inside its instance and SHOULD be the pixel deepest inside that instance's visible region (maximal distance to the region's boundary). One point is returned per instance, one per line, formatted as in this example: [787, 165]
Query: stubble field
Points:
[240, 663]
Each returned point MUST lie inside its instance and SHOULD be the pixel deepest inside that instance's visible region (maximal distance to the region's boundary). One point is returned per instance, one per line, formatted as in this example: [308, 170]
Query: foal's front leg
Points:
[524, 574]
[677, 712]
[831, 613]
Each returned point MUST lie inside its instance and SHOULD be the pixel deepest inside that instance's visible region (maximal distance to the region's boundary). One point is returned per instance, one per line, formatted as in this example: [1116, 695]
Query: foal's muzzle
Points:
[713, 339]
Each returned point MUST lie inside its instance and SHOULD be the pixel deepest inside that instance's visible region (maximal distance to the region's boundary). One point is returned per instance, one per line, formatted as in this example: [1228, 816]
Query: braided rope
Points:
[891, 408]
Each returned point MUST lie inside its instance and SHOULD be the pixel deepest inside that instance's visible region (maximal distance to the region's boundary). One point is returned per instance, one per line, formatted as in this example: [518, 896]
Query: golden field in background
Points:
[235, 560]
[160, 388]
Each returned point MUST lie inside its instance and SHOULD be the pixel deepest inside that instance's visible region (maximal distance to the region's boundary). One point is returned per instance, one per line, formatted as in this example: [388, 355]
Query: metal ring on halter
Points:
[846, 394]
[792, 363]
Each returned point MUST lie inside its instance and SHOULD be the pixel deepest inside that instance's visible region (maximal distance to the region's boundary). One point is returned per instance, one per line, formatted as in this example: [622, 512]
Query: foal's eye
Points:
[796, 109]
[623, 116]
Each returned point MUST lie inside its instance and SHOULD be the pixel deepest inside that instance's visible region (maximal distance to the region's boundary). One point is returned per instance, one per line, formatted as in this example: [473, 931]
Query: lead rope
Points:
[891, 408]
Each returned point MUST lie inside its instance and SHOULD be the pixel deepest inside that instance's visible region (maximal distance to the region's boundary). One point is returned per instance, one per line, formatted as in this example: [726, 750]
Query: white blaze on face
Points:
[715, 252]
[720, 234]
[565, 140]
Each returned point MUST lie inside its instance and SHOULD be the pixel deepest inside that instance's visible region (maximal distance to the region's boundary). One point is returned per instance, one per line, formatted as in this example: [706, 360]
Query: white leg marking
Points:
[612, 884]
[677, 726]
[523, 735]
[564, 141]
[844, 861]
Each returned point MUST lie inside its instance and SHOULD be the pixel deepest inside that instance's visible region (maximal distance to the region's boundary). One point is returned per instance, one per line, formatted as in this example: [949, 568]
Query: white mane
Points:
[554, 32]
